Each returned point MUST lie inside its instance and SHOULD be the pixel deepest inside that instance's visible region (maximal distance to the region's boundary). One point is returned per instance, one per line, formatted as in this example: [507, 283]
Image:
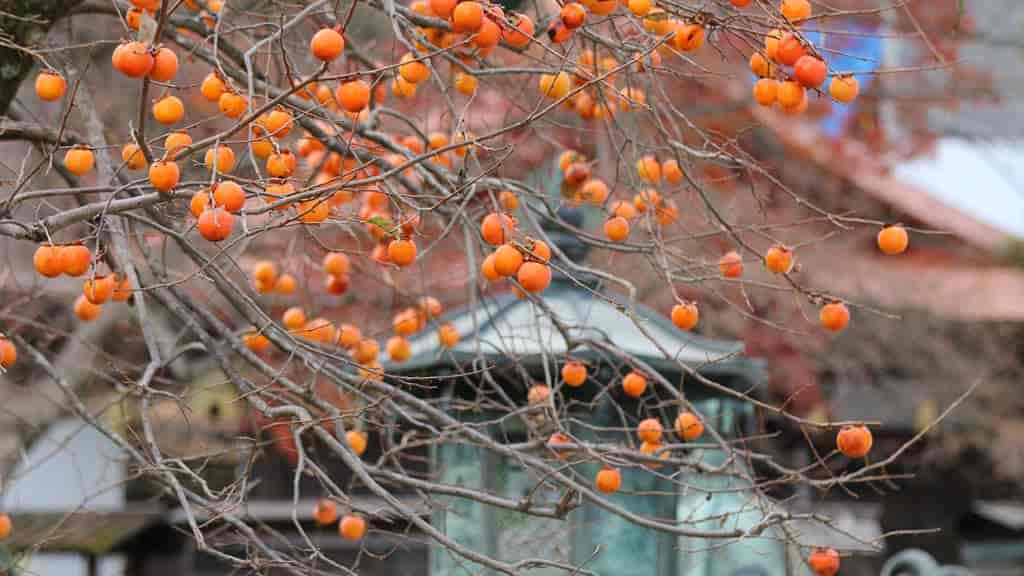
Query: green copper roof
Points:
[506, 326]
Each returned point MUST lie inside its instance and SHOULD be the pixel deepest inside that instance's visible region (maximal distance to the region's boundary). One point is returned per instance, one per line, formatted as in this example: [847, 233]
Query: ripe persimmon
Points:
[824, 561]
[133, 18]
[325, 512]
[893, 240]
[212, 87]
[429, 307]
[577, 173]
[507, 260]
[779, 259]
[442, 8]
[281, 164]
[327, 44]
[649, 430]
[560, 444]
[796, 10]
[685, 316]
[730, 265]
[168, 110]
[200, 201]
[79, 160]
[650, 449]
[771, 44]
[398, 349]
[447, 335]
[122, 288]
[835, 316]
[789, 49]
[75, 259]
[573, 15]
[352, 527]
[508, 200]
[487, 269]
[215, 224]
[465, 83]
[666, 212]
[688, 426]
[671, 171]
[337, 285]
[255, 341]
[320, 330]
[810, 71]
[165, 65]
[555, 86]
[5, 526]
[761, 66]
[412, 70]
[164, 175]
[50, 85]
[645, 198]
[649, 169]
[293, 318]
[132, 157]
[574, 374]
[854, 441]
[354, 96]
[8, 356]
[766, 91]
[594, 191]
[534, 277]
[488, 35]
[844, 88]
[608, 480]
[634, 384]
[336, 263]
[467, 17]
[86, 311]
[98, 290]
[232, 104]
[264, 272]
[688, 38]
[278, 123]
[658, 22]
[497, 229]
[538, 394]
[133, 59]
[285, 284]
[519, 34]
[229, 196]
[349, 336]
[622, 208]
[537, 250]
[616, 228]
[176, 141]
[220, 157]
[790, 94]
[639, 7]
[366, 351]
[357, 441]
[313, 211]
[401, 252]
[47, 260]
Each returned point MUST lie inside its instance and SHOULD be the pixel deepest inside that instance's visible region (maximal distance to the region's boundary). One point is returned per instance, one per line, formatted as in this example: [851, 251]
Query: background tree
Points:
[295, 190]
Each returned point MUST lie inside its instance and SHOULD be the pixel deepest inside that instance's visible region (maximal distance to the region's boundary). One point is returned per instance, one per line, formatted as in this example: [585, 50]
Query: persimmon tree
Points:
[288, 154]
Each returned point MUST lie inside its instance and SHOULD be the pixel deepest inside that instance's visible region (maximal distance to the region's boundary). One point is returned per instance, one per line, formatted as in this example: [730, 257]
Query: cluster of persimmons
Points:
[788, 68]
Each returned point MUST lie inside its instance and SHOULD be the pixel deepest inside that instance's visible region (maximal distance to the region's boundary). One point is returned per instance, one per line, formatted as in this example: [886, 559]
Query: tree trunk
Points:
[23, 23]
